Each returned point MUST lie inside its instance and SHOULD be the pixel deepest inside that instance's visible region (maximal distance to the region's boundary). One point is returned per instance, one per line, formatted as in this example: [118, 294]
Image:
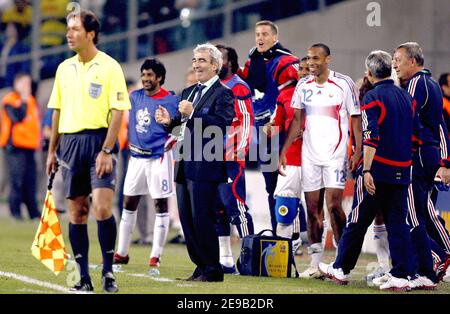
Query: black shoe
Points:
[178, 239]
[197, 273]
[109, 283]
[85, 284]
[191, 278]
[204, 278]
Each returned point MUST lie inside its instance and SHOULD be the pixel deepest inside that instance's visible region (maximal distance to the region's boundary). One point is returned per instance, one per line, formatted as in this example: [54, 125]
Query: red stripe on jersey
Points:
[327, 111]
[160, 94]
[393, 162]
[370, 143]
[374, 104]
[338, 108]
[414, 105]
[332, 82]
[233, 186]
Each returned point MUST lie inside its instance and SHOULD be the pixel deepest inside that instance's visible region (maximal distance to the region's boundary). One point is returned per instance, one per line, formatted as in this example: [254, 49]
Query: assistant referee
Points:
[89, 95]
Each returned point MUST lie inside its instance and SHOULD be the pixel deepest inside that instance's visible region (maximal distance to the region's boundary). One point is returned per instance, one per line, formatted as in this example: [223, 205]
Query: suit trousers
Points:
[196, 205]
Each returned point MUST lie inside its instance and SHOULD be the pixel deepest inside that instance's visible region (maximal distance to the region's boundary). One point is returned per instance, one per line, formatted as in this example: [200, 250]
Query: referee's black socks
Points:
[79, 240]
[107, 232]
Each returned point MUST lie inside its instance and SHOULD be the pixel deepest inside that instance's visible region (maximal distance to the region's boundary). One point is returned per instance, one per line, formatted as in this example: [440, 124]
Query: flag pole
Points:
[50, 180]
[48, 245]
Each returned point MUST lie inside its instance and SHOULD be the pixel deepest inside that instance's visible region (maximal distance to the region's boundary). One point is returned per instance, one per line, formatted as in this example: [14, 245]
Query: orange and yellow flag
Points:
[48, 245]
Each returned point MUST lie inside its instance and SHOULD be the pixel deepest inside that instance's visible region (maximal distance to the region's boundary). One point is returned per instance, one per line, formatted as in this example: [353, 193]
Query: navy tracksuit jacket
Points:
[388, 122]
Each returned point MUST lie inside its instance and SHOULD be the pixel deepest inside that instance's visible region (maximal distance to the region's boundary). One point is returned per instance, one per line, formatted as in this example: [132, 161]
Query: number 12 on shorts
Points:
[341, 175]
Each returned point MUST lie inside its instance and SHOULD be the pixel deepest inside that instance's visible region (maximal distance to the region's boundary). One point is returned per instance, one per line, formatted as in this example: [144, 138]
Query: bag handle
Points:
[297, 275]
[274, 233]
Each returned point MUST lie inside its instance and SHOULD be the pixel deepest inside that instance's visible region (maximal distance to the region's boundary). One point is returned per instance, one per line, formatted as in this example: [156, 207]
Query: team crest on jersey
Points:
[283, 210]
[258, 95]
[95, 90]
[119, 96]
[143, 120]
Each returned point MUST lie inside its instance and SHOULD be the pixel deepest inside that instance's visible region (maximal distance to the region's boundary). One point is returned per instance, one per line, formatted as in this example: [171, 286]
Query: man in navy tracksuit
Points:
[383, 178]
[428, 159]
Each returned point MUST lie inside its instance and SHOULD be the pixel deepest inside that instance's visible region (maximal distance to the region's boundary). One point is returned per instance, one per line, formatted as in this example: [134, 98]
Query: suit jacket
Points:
[216, 108]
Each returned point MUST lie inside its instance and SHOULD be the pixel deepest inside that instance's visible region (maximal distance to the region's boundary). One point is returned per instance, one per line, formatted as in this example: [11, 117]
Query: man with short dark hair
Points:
[89, 95]
[324, 101]
[150, 169]
[383, 178]
[303, 69]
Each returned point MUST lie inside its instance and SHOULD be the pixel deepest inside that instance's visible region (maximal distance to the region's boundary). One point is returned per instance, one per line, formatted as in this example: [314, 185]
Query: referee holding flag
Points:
[89, 95]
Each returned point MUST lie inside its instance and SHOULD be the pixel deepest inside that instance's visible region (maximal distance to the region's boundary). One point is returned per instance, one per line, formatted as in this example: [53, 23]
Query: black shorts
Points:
[77, 153]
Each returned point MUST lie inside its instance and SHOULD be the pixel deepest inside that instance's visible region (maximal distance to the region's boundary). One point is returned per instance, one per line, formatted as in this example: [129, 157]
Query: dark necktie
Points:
[198, 96]
[199, 88]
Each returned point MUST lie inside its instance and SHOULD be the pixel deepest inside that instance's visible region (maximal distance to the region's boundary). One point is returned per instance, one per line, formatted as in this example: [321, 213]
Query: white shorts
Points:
[291, 184]
[150, 176]
[332, 175]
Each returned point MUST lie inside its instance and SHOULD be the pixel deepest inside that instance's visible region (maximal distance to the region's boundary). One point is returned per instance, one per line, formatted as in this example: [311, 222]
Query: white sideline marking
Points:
[161, 279]
[39, 283]
[31, 291]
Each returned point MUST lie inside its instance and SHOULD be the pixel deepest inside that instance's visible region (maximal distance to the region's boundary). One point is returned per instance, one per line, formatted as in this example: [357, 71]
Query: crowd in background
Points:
[16, 17]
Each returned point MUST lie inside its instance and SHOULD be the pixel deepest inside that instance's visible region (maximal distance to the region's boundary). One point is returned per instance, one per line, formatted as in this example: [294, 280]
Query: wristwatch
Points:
[107, 150]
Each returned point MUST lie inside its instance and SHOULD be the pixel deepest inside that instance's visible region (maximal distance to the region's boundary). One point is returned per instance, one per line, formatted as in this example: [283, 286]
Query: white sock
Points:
[325, 232]
[160, 231]
[226, 255]
[381, 245]
[304, 237]
[316, 252]
[295, 245]
[336, 246]
[284, 230]
[127, 224]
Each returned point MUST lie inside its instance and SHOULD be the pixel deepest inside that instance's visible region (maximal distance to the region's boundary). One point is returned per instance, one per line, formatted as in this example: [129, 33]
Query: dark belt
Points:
[89, 132]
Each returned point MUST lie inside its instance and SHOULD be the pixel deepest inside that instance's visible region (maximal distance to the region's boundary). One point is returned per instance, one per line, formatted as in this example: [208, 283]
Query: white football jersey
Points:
[328, 108]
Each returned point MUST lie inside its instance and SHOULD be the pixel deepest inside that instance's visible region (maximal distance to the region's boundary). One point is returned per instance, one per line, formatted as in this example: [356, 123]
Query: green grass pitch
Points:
[16, 260]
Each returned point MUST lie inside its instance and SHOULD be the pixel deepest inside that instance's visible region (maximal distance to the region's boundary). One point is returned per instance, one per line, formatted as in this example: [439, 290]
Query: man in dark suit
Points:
[206, 109]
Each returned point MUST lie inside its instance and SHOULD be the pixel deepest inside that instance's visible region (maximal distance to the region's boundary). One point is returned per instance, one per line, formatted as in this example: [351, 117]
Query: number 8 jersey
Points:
[328, 108]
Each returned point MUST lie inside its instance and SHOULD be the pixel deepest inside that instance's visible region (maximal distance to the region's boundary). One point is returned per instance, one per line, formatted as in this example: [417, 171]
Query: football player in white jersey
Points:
[324, 101]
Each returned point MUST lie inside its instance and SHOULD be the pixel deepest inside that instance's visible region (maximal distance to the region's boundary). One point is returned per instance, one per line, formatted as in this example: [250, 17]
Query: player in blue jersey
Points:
[150, 169]
[232, 207]
[428, 161]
